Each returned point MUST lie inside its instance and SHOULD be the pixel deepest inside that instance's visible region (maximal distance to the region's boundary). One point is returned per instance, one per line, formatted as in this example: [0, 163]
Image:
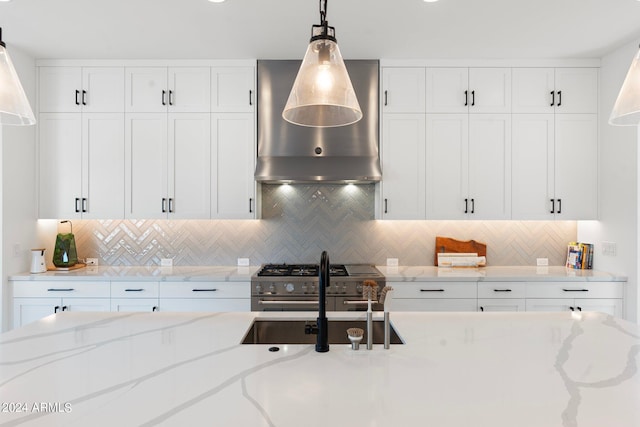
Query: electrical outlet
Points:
[166, 262]
[243, 262]
[91, 261]
[542, 261]
[392, 262]
[609, 248]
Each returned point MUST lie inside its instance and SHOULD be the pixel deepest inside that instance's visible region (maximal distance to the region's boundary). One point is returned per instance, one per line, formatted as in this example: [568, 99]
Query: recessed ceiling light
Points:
[212, 1]
[433, 1]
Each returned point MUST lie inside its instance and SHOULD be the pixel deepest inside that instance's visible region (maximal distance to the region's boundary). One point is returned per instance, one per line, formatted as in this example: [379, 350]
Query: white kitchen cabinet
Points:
[81, 165]
[233, 89]
[35, 300]
[134, 296]
[555, 166]
[167, 89]
[501, 305]
[403, 90]
[559, 90]
[403, 166]
[434, 296]
[167, 165]
[606, 297]
[501, 296]
[205, 296]
[468, 166]
[232, 166]
[80, 89]
[473, 90]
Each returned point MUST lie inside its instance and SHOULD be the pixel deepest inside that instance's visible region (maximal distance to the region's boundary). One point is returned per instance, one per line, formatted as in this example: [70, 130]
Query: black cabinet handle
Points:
[553, 98]
[386, 98]
[559, 98]
[466, 205]
[164, 94]
[77, 95]
[579, 308]
[154, 309]
[559, 206]
[170, 97]
[250, 97]
[164, 205]
[481, 308]
[65, 308]
[502, 290]
[77, 205]
[134, 290]
[466, 98]
[170, 204]
[250, 205]
[56, 308]
[473, 205]
[571, 308]
[84, 204]
[60, 290]
[553, 205]
[575, 290]
[431, 290]
[386, 205]
[204, 290]
[473, 98]
[84, 97]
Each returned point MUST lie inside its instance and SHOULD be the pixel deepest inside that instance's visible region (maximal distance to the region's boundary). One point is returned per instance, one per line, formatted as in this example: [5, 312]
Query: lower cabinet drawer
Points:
[575, 289]
[499, 290]
[435, 290]
[134, 289]
[205, 290]
[58, 289]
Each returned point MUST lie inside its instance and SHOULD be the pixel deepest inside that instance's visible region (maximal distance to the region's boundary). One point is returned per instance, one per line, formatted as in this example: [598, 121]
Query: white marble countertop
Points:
[392, 274]
[495, 274]
[153, 274]
[188, 369]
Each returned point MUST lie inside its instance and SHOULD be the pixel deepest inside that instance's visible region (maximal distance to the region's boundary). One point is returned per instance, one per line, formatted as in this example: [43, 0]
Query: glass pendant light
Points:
[626, 111]
[14, 106]
[322, 94]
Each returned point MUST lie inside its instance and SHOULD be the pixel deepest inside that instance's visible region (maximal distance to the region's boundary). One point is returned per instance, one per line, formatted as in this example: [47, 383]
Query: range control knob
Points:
[272, 289]
[259, 288]
[312, 288]
[304, 288]
[289, 287]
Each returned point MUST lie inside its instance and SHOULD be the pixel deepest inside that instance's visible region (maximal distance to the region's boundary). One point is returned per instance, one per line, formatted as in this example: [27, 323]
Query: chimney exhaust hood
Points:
[295, 154]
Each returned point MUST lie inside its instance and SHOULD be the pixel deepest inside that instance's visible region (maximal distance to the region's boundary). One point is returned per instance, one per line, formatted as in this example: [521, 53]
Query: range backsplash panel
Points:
[299, 221]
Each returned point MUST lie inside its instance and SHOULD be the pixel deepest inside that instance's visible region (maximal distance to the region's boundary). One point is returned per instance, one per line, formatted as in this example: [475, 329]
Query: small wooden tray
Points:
[446, 244]
[73, 267]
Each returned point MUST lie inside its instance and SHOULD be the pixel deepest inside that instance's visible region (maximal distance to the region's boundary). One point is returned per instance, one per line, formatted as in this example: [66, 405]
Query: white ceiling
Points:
[274, 29]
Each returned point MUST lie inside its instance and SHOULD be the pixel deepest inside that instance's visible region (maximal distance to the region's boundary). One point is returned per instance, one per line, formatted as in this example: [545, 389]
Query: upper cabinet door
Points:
[146, 90]
[577, 90]
[490, 90]
[233, 89]
[533, 90]
[403, 90]
[448, 90]
[60, 89]
[102, 89]
[189, 89]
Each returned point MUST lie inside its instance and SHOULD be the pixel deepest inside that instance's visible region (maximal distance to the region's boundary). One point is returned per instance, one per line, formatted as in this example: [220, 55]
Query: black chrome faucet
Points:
[322, 340]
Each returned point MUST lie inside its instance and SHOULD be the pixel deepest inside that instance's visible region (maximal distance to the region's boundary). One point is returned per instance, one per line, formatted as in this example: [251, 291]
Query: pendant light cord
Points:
[323, 12]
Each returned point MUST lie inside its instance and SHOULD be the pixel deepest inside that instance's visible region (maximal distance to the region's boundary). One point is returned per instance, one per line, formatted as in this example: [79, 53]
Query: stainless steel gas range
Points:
[294, 287]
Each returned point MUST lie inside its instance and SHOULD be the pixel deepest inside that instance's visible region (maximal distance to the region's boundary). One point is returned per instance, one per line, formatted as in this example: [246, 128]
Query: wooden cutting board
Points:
[447, 244]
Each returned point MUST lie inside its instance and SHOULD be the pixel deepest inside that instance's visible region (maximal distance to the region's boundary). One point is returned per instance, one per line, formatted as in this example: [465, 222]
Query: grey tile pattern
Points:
[299, 221]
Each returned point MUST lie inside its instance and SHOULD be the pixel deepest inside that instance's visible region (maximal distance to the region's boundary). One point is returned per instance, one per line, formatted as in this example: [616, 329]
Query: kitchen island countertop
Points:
[455, 369]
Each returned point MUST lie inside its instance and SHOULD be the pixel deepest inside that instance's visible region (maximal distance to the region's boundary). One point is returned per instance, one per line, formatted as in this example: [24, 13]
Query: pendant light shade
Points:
[14, 106]
[322, 94]
[626, 111]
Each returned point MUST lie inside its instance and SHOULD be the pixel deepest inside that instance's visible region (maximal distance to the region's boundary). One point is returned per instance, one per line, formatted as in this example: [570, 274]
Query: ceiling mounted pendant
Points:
[14, 105]
[626, 111]
[322, 94]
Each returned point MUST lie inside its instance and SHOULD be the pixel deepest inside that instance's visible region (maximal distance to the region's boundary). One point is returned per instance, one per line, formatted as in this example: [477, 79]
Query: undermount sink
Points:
[293, 332]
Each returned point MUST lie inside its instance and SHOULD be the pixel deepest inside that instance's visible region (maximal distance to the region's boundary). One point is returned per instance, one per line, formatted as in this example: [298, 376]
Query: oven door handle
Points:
[286, 302]
[357, 302]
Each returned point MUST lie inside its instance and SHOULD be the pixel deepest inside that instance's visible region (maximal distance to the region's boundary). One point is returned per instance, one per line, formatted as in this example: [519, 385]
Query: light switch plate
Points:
[392, 262]
[609, 248]
[542, 261]
[243, 262]
[166, 262]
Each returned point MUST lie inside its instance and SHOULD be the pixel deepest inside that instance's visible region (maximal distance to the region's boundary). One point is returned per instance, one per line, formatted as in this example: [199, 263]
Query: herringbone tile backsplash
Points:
[299, 221]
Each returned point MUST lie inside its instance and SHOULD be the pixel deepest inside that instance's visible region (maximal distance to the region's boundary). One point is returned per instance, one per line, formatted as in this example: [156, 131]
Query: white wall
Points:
[618, 183]
[18, 178]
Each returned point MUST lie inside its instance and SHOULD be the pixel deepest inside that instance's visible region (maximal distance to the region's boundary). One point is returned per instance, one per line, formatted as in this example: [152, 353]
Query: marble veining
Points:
[455, 369]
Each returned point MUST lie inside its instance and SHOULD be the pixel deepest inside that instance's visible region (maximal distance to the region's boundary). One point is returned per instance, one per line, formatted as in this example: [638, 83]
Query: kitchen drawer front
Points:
[57, 289]
[205, 290]
[501, 304]
[495, 290]
[575, 290]
[134, 290]
[435, 305]
[145, 305]
[435, 290]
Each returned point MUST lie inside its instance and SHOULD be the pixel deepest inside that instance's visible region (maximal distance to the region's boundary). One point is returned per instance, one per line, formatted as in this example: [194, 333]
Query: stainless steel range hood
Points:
[291, 153]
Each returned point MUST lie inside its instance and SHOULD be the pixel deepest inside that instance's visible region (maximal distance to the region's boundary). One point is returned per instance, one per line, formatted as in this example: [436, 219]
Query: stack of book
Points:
[580, 256]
